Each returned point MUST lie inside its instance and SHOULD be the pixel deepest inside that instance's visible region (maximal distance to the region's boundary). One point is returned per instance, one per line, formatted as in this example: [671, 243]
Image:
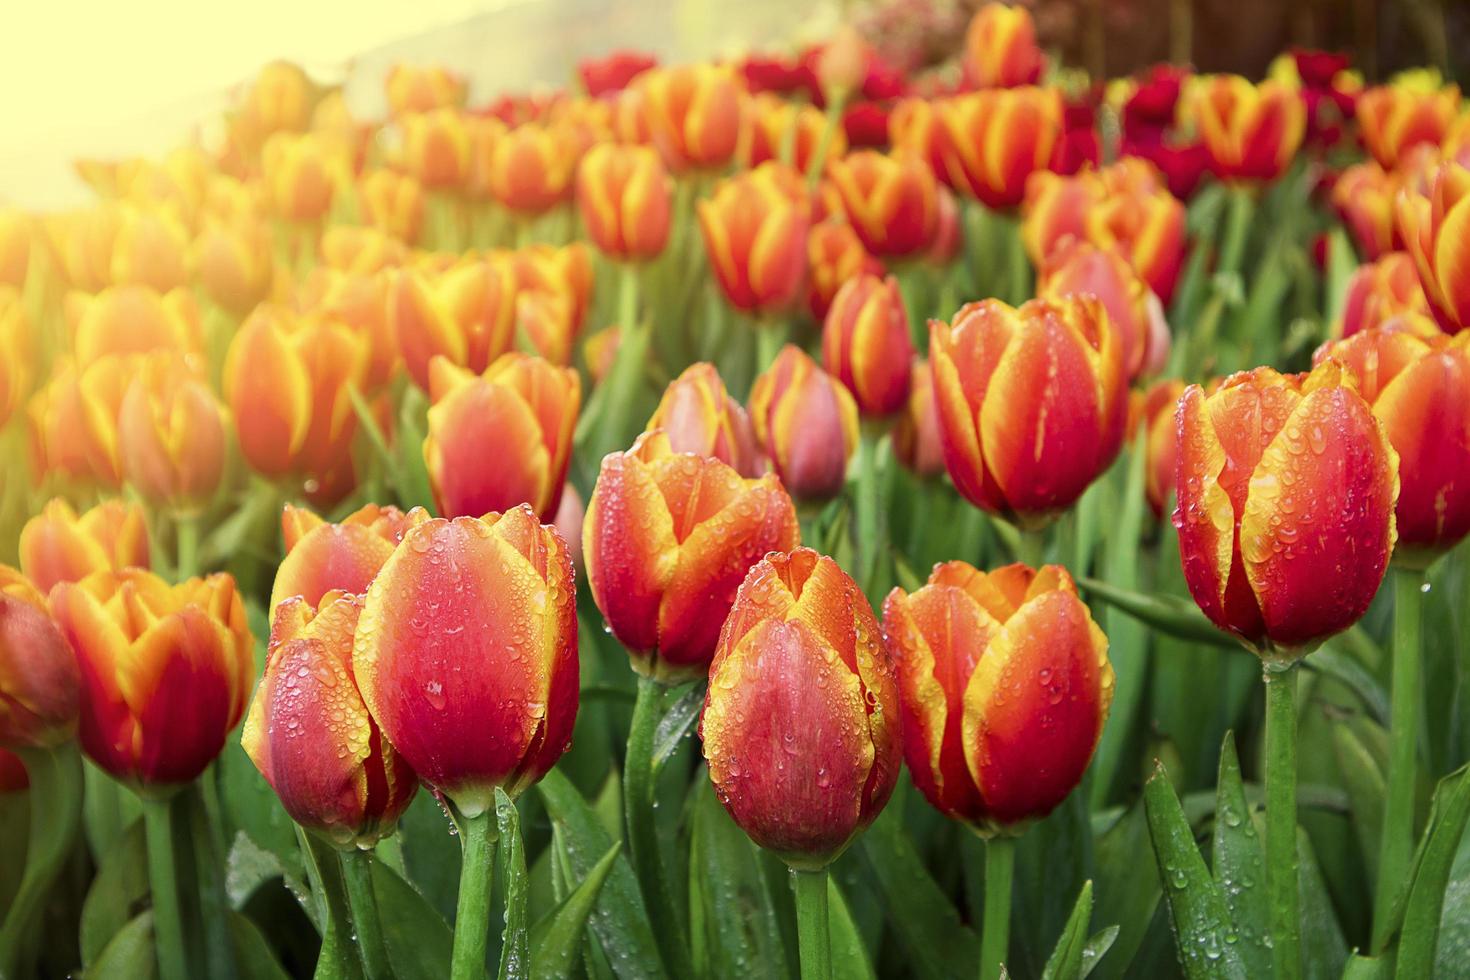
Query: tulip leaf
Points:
[1422, 907]
[936, 942]
[1342, 261]
[1096, 948]
[1324, 949]
[1362, 772]
[515, 953]
[412, 475]
[1347, 671]
[1361, 967]
[253, 951]
[557, 938]
[1065, 962]
[120, 886]
[1127, 888]
[1168, 614]
[677, 719]
[417, 937]
[130, 953]
[849, 954]
[620, 919]
[1205, 939]
[1240, 864]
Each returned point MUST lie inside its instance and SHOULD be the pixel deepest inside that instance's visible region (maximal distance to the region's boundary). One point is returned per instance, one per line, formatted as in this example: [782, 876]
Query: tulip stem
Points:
[1030, 547]
[1396, 846]
[770, 337]
[56, 813]
[472, 911]
[867, 506]
[995, 934]
[814, 937]
[186, 533]
[1281, 853]
[357, 873]
[831, 120]
[1237, 229]
[163, 884]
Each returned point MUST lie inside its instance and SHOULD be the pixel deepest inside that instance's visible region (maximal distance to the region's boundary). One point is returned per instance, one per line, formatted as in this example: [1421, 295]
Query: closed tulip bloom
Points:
[532, 167]
[891, 200]
[302, 174]
[1005, 684]
[564, 270]
[667, 539]
[1395, 117]
[866, 344]
[1435, 225]
[694, 114]
[358, 301]
[73, 420]
[436, 148]
[996, 138]
[423, 88]
[502, 438]
[234, 264]
[361, 249]
[466, 654]
[916, 440]
[807, 423]
[1000, 48]
[755, 233]
[171, 434]
[544, 326]
[57, 545]
[699, 416]
[624, 196]
[1419, 390]
[1363, 195]
[344, 557]
[1155, 415]
[151, 249]
[309, 732]
[1032, 402]
[801, 723]
[38, 672]
[133, 320]
[393, 203]
[1286, 487]
[834, 254]
[17, 348]
[279, 99]
[1251, 132]
[165, 671]
[1081, 268]
[465, 314]
[1382, 290]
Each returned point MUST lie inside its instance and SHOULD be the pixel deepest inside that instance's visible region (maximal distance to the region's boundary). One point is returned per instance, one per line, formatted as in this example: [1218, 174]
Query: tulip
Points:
[1251, 132]
[361, 249]
[1380, 291]
[1032, 402]
[419, 88]
[624, 196]
[755, 232]
[1079, 268]
[699, 416]
[996, 138]
[171, 434]
[309, 732]
[916, 441]
[565, 271]
[393, 203]
[532, 168]
[358, 301]
[279, 99]
[1395, 117]
[133, 320]
[694, 113]
[151, 249]
[73, 420]
[1434, 225]
[667, 539]
[1364, 196]
[779, 124]
[866, 344]
[58, 546]
[38, 673]
[613, 73]
[544, 325]
[466, 314]
[1000, 48]
[234, 265]
[18, 230]
[17, 355]
[600, 352]
[801, 719]
[302, 174]
[436, 148]
[344, 557]
[165, 671]
[835, 254]
[1153, 413]
[807, 423]
[892, 200]
[523, 410]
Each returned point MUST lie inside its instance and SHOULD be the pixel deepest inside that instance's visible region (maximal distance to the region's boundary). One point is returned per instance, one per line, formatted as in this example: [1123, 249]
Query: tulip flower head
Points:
[344, 557]
[57, 545]
[625, 195]
[1251, 132]
[807, 423]
[916, 440]
[1382, 290]
[17, 365]
[1434, 225]
[1364, 196]
[393, 203]
[891, 200]
[835, 254]
[436, 148]
[1000, 48]
[699, 416]
[755, 231]
[465, 313]
[1080, 268]
[39, 681]
[423, 88]
[1395, 117]
[171, 434]
[532, 168]
[866, 343]
[996, 138]
[695, 114]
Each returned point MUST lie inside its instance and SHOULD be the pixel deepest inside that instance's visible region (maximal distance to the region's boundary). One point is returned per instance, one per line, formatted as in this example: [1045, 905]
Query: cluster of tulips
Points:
[329, 446]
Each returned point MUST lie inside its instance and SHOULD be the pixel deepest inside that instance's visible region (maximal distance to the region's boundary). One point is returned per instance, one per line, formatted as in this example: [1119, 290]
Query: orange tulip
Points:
[755, 232]
[73, 420]
[393, 203]
[280, 99]
[165, 671]
[302, 174]
[466, 654]
[892, 200]
[1005, 684]
[916, 440]
[779, 124]
[133, 320]
[600, 352]
[801, 724]
[309, 732]
[345, 557]
[58, 546]
[18, 232]
[1081, 268]
[834, 254]
[1364, 194]
[84, 243]
[1435, 225]
[565, 271]
[466, 314]
[699, 416]
[1251, 132]
[996, 138]
[1000, 48]
[1395, 117]
[624, 196]
[171, 434]
[667, 539]
[807, 423]
[1286, 488]
[532, 167]
[694, 113]
[234, 264]
[436, 148]
[866, 343]
[360, 302]
[423, 88]
[1381, 291]
[151, 249]
[17, 353]
[38, 673]
[502, 438]
[1032, 402]
[1155, 413]
[361, 249]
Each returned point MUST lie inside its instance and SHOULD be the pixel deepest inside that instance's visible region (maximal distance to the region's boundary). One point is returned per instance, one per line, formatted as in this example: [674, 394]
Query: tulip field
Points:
[790, 516]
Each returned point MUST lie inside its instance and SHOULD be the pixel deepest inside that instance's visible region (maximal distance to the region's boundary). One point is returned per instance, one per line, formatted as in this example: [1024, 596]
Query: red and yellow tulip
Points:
[57, 545]
[624, 196]
[866, 343]
[1435, 226]
[807, 423]
[699, 416]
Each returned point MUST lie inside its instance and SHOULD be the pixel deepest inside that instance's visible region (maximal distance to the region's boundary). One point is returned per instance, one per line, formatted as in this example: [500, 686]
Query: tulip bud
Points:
[279, 99]
[1251, 132]
[565, 271]
[133, 320]
[667, 539]
[17, 353]
[1393, 118]
[694, 114]
[1363, 195]
[361, 249]
[502, 438]
[1380, 291]
[1000, 48]
[466, 654]
[544, 325]
[1286, 487]
[73, 420]
[916, 440]
[358, 301]
[1032, 402]
[423, 88]
[302, 174]
[623, 194]
[755, 233]
[165, 671]
[436, 148]
[345, 557]
[866, 343]
[393, 203]
[700, 417]
[310, 735]
[1433, 227]
[234, 264]
[835, 254]
[801, 719]
[58, 546]
[466, 314]
[996, 138]
[806, 422]
[891, 200]
[842, 65]
[532, 167]
[151, 249]
[171, 434]
[1005, 685]
[1079, 268]
[38, 673]
[600, 352]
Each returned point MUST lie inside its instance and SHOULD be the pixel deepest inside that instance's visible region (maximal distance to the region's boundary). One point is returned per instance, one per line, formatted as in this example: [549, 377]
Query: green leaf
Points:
[1240, 868]
[1204, 937]
[556, 939]
[619, 919]
[936, 943]
[431, 855]
[1338, 665]
[1361, 967]
[120, 885]
[1097, 947]
[1419, 934]
[674, 726]
[130, 953]
[1324, 950]
[515, 953]
[1168, 614]
[253, 952]
[417, 937]
[413, 477]
[1127, 888]
[849, 953]
[248, 804]
[1363, 779]
[1065, 962]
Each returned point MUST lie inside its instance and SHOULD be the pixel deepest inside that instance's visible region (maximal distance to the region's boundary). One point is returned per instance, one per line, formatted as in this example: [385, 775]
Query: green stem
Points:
[640, 783]
[1017, 265]
[209, 862]
[867, 505]
[357, 873]
[1281, 855]
[770, 337]
[814, 936]
[995, 935]
[472, 912]
[1396, 847]
[621, 383]
[1237, 229]
[818, 163]
[163, 883]
[1030, 547]
[186, 529]
[56, 813]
